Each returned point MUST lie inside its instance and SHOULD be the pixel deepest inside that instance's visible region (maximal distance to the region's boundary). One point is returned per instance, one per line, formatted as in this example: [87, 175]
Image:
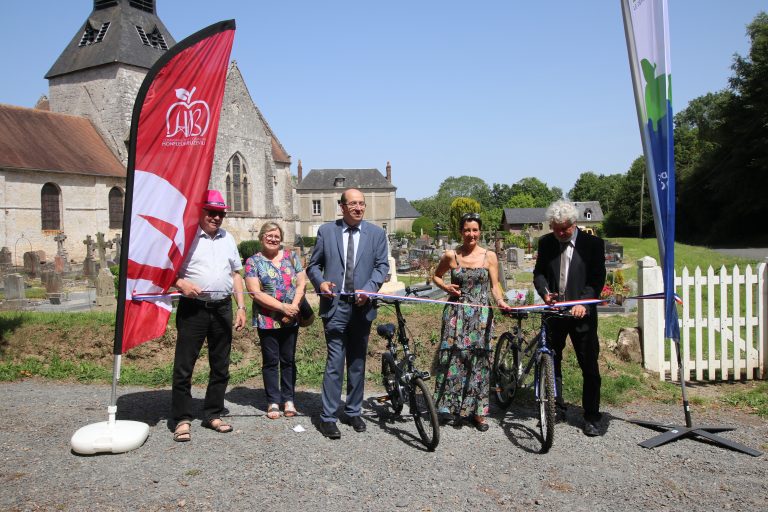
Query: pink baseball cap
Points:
[214, 201]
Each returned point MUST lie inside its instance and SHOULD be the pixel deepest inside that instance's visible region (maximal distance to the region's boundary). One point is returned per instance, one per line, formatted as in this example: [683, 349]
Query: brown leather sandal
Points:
[181, 434]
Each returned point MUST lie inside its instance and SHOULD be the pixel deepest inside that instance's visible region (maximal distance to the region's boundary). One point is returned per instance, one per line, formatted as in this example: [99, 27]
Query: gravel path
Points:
[265, 464]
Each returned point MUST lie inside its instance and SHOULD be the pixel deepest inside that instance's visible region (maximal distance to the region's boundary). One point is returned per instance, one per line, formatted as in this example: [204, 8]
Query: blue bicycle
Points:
[509, 373]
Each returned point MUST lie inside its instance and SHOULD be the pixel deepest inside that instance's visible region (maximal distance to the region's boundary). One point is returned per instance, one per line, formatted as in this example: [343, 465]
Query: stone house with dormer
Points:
[517, 220]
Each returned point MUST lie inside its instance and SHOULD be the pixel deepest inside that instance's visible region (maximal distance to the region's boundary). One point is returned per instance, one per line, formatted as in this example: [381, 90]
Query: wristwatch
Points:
[242, 307]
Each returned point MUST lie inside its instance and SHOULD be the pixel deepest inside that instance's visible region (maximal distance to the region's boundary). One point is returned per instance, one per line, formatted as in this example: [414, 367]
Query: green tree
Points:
[459, 207]
[524, 200]
[593, 187]
[541, 193]
[465, 186]
[500, 194]
[491, 218]
[425, 224]
[727, 189]
[624, 218]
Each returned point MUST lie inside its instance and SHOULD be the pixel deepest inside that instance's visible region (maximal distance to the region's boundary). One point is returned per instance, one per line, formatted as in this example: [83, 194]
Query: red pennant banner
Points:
[173, 137]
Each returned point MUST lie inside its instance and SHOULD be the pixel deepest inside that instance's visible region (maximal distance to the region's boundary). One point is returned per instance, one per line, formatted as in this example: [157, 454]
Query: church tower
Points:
[99, 73]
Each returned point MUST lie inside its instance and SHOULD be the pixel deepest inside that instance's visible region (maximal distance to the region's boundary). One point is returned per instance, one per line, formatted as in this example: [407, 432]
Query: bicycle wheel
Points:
[506, 369]
[546, 399]
[424, 414]
[390, 379]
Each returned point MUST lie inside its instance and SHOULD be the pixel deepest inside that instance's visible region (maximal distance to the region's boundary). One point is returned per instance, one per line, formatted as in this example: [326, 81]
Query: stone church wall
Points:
[84, 210]
[105, 95]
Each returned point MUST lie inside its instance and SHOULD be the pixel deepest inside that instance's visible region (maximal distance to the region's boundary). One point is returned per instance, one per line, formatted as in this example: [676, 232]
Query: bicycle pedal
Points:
[382, 399]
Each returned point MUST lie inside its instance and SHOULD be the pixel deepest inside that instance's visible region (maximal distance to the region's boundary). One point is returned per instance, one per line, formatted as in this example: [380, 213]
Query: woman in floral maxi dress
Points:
[462, 380]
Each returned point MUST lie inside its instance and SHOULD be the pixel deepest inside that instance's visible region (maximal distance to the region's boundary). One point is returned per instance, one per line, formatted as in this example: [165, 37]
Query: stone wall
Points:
[105, 95]
[84, 209]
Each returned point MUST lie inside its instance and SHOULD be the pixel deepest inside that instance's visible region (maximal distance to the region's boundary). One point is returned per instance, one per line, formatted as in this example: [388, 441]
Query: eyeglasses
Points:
[470, 216]
[215, 213]
[275, 238]
[353, 204]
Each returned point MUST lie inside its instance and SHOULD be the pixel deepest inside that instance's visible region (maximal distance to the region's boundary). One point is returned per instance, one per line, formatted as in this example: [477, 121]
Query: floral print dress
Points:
[463, 367]
[279, 282]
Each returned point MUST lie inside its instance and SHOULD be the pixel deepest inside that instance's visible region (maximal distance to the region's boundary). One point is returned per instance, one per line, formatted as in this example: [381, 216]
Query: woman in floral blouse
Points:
[275, 279]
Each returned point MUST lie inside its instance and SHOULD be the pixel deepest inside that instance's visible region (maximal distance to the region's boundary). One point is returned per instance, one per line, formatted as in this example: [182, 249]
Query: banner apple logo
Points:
[190, 118]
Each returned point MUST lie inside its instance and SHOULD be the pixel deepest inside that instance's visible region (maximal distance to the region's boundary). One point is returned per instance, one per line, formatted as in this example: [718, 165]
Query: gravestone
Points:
[6, 258]
[515, 256]
[105, 290]
[61, 260]
[54, 286]
[391, 285]
[32, 263]
[102, 247]
[89, 264]
[41, 256]
[118, 242]
[14, 287]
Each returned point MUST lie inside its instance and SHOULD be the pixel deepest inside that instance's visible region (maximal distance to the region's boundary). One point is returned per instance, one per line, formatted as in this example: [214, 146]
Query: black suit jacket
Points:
[586, 274]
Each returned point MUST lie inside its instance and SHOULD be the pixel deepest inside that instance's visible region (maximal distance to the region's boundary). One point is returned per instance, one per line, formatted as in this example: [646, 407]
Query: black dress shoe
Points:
[591, 429]
[330, 430]
[356, 422]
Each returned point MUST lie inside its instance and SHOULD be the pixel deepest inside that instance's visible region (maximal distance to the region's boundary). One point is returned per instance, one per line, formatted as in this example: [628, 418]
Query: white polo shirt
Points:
[210, 263]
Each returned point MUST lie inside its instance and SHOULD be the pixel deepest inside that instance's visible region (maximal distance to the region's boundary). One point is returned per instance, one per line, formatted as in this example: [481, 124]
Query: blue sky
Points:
[501, 90]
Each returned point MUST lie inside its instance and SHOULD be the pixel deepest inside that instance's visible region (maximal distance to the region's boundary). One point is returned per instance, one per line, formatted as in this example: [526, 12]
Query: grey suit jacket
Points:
[327, 262]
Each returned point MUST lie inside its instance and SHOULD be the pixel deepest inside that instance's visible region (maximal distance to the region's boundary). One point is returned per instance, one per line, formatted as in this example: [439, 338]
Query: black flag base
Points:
[675, 432]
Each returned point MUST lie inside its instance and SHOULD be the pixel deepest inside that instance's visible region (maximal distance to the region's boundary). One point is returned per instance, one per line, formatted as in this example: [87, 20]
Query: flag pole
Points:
[670, 432]
[117, 436]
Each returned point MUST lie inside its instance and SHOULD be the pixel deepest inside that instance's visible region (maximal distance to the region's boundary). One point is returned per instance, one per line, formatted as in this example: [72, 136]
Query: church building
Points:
[62, 163]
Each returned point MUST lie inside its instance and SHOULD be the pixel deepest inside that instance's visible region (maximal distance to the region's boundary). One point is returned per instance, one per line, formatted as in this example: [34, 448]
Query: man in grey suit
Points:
[350, 258]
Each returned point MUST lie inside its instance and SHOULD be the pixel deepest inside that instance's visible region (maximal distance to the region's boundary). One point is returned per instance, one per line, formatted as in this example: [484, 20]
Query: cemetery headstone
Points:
[102, 247]
[32, 263]
[118, 241]
[6, 258]
[54, 287]
[105, 290]
[89, 264]
[14, 287]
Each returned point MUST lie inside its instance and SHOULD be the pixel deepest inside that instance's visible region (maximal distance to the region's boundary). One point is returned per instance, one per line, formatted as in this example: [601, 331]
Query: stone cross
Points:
[102, 246]
[88, 247]
[60, 251]
[253, 232]
[118, 241]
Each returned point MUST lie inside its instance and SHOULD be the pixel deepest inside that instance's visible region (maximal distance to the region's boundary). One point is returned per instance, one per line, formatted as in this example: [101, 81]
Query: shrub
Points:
[248, 248]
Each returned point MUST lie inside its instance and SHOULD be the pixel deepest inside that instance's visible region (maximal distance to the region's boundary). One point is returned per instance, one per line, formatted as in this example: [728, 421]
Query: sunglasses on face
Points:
[215, 213]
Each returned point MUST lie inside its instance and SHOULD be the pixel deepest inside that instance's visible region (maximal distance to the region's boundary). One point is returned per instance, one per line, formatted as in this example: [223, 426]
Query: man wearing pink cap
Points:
[207, 279]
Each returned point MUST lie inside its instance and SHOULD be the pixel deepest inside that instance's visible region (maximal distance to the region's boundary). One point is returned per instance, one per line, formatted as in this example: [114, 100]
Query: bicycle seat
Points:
[386, 330]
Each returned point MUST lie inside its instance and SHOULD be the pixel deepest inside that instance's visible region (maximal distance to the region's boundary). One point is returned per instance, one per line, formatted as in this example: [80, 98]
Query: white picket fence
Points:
[723, 331]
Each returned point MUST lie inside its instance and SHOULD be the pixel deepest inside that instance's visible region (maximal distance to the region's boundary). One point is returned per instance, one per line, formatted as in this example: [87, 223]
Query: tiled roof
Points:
[325, 179]
[538, 215]
[404, 209]
[41, 140]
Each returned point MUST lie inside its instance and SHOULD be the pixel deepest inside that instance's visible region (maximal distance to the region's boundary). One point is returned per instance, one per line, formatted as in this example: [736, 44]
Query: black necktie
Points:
[349, 267]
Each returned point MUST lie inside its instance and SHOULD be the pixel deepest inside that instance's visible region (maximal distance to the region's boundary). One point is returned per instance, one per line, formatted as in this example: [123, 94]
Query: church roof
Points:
[404, 209]
[325, 179]
[40, 140]
[116, 31]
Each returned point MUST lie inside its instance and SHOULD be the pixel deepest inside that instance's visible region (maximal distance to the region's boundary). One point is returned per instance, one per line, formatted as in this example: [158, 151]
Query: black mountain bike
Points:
[510, 373]
[403, 382]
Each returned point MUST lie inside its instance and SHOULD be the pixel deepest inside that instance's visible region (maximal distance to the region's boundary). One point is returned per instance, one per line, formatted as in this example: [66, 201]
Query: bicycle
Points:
[402, 380]
[508, 373]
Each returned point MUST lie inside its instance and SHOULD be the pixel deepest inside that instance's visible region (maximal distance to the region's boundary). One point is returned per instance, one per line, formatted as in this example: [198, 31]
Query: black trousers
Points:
[278, 354]
[196, 322]
[583, 334]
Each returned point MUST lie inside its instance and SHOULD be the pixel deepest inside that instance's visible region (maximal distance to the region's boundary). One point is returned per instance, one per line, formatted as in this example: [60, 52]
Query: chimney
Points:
[389, 172]
[299, 172]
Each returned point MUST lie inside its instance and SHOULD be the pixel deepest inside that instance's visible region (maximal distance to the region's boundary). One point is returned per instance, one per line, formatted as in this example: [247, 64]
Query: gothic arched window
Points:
[115, 208]
[50, 207]
[237, 184]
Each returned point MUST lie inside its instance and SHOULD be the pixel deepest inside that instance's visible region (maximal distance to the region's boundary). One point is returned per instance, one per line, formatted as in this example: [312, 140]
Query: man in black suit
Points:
[570, 266]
